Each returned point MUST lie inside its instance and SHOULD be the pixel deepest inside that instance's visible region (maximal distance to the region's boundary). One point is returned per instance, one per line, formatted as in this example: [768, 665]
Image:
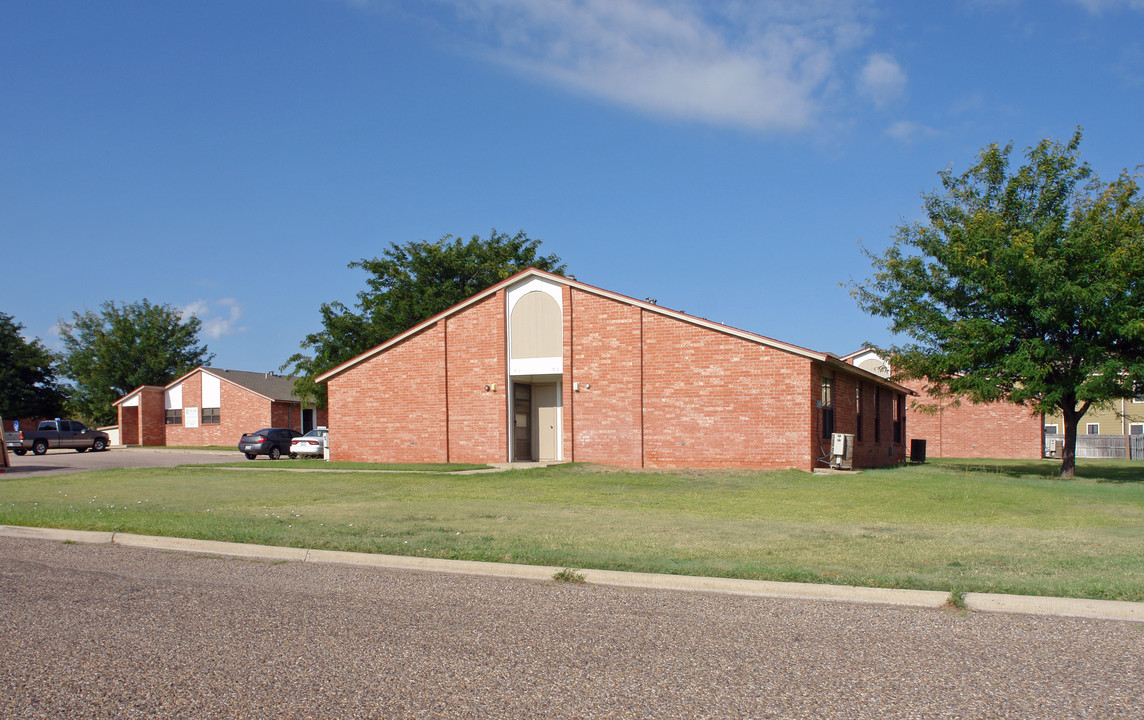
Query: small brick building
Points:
[964, 429]
[211, 406]
[543, 367]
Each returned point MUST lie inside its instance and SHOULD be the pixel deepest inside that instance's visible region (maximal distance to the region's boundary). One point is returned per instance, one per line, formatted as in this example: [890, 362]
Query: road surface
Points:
[102, 631]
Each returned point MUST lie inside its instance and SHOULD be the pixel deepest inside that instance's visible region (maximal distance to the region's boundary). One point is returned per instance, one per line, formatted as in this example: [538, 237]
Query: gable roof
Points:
[828, 358]
[271, 386]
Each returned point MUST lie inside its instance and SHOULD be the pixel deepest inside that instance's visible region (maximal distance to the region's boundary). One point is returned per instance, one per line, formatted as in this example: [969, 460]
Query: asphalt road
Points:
[57, 462]
[102, 631]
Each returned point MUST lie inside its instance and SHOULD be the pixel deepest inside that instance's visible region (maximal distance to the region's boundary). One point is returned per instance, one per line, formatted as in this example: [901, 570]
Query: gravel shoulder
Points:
[113, 631]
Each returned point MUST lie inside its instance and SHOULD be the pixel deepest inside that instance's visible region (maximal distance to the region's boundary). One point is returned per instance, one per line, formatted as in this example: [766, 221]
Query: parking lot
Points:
[58, 462]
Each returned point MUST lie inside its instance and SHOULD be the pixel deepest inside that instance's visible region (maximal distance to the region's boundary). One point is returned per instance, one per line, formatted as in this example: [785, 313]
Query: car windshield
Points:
[316, 433]
[263, 431]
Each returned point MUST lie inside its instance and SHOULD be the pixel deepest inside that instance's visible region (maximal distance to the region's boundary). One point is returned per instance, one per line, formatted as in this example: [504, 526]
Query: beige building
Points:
[1122, 417]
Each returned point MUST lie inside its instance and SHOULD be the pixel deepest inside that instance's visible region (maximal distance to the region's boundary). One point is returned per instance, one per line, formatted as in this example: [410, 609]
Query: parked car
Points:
[312, 443]
[56, 435]
[273, 442]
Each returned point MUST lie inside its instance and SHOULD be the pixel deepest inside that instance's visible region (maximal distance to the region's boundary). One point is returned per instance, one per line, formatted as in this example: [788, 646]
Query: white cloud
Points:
[764, 66]
[1097, 7]
[882, 79]
[216, 327]
[908, 132]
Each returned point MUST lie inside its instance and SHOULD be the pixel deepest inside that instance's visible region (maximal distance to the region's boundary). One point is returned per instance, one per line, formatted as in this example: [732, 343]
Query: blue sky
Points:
[724, 157]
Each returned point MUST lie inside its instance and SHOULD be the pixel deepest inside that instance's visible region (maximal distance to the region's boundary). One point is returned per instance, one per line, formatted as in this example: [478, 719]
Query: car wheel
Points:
[81, 450]
[99, 445]
[40, 447]
[275, 453]
[250, 456]
[21, 453]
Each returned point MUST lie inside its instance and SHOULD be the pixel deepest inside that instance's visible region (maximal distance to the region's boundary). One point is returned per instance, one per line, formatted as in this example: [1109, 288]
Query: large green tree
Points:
[28, 387]
[407, 284]
[1023, 285]
[112, 352]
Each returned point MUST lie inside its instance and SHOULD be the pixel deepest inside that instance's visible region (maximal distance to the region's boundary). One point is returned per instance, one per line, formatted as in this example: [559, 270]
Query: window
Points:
[1136, 429]
[1138, 392]
[1052, 430]
[1092, 428]
[858, 404]
[899, 418]
[877, 414]
[827, 404]
[210, 416]
[175, 416]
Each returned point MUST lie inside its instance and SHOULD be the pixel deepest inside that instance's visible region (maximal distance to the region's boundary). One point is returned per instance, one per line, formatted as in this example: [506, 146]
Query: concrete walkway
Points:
[980, 602]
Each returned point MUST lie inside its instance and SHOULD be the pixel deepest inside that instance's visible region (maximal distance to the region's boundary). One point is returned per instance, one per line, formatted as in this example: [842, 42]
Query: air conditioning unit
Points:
[842, 451]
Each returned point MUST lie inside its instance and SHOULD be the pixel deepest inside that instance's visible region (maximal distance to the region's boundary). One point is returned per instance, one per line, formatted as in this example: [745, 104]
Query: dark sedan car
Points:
[274, 442]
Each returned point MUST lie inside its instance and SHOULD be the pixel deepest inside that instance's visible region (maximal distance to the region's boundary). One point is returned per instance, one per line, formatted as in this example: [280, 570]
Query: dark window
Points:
[175, 416]
[210, 416]
[827, 403]
[65, 426]
[899, 418]
[858, 405]
[877, 414]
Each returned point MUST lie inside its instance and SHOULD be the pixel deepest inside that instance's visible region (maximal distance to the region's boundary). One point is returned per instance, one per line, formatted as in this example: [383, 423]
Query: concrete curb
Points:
[1067, 607]
[979, 602]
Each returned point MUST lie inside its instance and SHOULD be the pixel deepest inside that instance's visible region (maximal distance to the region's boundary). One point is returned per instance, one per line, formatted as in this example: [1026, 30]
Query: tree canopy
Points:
[407, 284]
[110, 353]
[1023, 285]
[28, 386]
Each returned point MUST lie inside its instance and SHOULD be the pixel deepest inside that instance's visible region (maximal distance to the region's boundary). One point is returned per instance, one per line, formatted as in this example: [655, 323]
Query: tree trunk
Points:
[1071, 416]
[1068, 454]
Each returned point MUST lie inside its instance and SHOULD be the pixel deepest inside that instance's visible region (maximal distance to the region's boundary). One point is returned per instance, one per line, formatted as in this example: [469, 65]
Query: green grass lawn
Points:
[304, 463]
[997, 526]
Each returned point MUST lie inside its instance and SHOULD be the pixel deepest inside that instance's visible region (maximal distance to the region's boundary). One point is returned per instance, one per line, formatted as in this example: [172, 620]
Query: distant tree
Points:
[28, 387]
[1025, 285]
[407, 284]
[110, 353]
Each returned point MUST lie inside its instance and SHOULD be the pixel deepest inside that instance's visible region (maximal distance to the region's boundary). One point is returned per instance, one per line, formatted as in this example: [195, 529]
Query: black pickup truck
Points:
[56, 434]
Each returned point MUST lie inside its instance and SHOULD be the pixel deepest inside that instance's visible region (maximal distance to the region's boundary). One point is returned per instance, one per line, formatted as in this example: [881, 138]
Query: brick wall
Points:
[391, 407]
[129, 425]
[602, 349]
[152, 417]
[968, 430]
[655, 391]
[477, 419]
[240, 411]
[714, 400]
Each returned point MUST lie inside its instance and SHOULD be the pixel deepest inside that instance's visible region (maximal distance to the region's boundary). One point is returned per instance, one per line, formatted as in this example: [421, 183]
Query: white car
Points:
[311, 444]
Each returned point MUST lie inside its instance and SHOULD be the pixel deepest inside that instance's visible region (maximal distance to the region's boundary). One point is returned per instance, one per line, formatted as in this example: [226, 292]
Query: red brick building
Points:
[542, 367]
[966, 430]
[211, 406]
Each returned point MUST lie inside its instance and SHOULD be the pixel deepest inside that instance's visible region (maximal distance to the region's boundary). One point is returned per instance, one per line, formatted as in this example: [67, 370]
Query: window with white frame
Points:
[1052, 430]
[1136, 429]
[1092, 428]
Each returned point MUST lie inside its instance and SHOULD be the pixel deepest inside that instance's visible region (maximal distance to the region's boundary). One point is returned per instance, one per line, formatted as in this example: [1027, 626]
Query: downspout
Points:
[571, 375]
[445, 342]
[643, 447]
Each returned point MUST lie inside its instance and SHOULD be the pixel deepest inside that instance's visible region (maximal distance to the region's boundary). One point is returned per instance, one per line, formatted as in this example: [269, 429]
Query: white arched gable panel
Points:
[535, 329]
